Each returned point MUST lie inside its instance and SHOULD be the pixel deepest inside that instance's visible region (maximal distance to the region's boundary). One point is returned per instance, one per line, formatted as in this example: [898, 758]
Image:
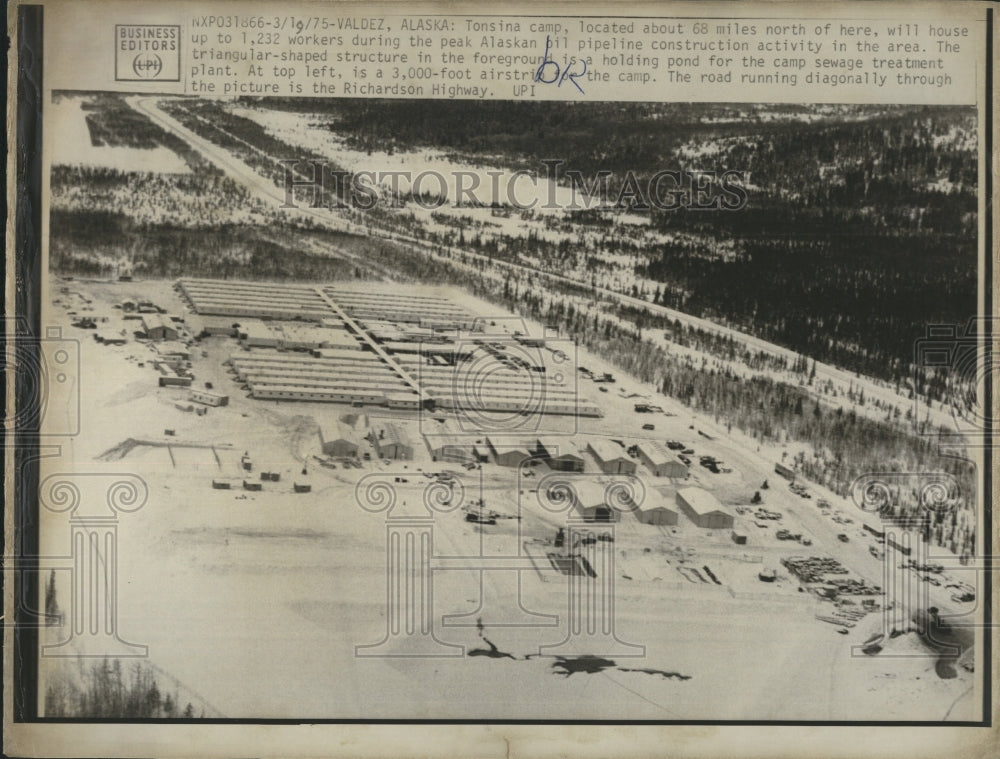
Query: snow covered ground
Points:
[462, 182]
[70, 143]
[255, 601]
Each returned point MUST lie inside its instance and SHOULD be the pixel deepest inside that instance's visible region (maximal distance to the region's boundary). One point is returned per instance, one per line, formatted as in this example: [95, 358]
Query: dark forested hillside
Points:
[782, 146]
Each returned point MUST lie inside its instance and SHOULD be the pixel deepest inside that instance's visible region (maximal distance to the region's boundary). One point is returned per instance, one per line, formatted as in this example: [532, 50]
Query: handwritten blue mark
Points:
[561, 74]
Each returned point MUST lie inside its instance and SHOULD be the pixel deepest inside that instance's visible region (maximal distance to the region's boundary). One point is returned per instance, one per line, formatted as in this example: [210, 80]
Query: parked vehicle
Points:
[471, 516]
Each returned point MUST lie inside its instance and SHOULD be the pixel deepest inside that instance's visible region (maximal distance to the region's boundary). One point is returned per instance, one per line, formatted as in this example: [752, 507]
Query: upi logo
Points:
[147, 53]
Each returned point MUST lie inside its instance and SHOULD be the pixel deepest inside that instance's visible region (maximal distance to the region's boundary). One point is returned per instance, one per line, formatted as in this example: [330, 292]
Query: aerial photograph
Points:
[488, 410]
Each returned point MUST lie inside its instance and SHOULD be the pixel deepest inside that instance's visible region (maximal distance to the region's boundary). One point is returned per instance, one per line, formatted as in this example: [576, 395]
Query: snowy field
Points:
[70, 144]
[462, 181]
[255, 601]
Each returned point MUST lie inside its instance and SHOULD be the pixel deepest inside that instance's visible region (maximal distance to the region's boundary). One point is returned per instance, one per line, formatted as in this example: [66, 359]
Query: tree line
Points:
[107, 690]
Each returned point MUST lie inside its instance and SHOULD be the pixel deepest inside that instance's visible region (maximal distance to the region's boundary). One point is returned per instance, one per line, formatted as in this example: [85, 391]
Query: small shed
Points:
[209, 399]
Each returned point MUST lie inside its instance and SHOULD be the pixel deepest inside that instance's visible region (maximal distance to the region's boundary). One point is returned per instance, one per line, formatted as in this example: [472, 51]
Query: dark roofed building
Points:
[392, 442]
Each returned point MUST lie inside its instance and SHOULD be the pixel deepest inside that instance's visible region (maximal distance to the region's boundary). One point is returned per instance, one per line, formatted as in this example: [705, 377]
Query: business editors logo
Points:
[147, 53]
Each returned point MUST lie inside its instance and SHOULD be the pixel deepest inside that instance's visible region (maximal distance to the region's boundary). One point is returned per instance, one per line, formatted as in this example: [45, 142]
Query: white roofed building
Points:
[661, 461]
[610, 457]
[704, 509]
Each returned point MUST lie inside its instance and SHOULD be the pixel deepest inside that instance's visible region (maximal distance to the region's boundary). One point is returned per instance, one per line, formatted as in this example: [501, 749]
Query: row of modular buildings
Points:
[387, 332]
[469, 383]
[505, 450]
[515, 401]
[597, 500]
[658, 459]
[556, 452]
[263, 300]
[433, 365]
[400, 305]
[335, 376]
[293, 336]
[315, 302]
[339, 380]
[340, 375]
